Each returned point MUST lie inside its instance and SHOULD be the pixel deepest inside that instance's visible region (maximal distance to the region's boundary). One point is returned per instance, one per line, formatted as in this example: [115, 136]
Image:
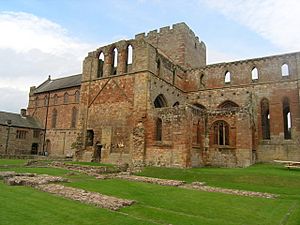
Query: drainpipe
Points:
[45, 129]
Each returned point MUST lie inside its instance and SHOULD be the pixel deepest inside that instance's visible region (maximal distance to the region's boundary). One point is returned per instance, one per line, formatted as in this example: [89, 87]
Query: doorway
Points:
[34, 148]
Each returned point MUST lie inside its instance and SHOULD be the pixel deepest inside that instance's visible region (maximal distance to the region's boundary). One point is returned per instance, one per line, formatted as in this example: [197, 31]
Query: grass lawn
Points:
[162, 205]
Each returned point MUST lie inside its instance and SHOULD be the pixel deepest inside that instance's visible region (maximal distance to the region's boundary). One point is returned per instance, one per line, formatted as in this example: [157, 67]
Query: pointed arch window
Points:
[198, 133]
[158, 67]
[129, 54]
[160, 101]
[227, 77]
[66, 98]
[55, 99]
[287, 118]
[54, 118]
[265, 118]
[74, 117]
[77, 96]
[100, 65]
[158, 129]
[254, 74]
[228, 104]
[285, 70]
[46, 101]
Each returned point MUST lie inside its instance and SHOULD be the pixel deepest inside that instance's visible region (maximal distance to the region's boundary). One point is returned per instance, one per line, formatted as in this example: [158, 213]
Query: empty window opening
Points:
[200, 106]
[285, 70]
[265, 119]
[114, 61]
[74, 117]
[227, 77]
[287, 119]
[89, 137]
[228, 104]
[221, 133]
[160, 101]
[36, 102]
[100, 65]
[254, 74]
[54, 118]
[66, 98]
[129, 54]
[158, 129]
[77, 96]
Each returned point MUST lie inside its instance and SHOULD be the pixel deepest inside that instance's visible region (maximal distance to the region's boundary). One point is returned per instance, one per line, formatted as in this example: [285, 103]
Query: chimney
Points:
[23, 112]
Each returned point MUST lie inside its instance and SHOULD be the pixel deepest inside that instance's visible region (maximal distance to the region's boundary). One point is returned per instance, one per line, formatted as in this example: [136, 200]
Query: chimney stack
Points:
[23, 112]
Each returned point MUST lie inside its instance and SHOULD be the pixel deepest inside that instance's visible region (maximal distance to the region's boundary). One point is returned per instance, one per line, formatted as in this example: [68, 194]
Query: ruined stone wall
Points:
[178, 43]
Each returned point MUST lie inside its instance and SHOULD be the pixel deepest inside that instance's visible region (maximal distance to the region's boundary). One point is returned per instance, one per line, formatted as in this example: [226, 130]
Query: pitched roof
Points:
[18, 121]
[60, 83]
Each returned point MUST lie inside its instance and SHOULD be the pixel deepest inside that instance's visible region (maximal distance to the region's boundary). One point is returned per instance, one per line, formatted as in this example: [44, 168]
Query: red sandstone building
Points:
[153, 100]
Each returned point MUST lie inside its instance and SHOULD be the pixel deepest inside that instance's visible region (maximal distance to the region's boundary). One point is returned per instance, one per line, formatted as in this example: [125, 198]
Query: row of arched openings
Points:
[265, 118]
[74, 116]
[255, 73]
[114, 61]
[66, 99]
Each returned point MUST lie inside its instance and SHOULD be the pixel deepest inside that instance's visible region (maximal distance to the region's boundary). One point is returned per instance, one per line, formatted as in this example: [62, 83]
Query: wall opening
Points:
[227, 77]
[160, 101]
[89, 138]
[74, 117]
[285, 70]
[77, 96]
[66, 98]
[287, 119]
[114, 61]
[265, 118]
[100, 65]
[158, 67]
[228, 104]
[158, 129]
[221, 133]
[254, 74]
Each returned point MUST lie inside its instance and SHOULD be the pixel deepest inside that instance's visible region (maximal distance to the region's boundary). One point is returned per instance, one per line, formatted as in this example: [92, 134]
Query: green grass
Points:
[162, 205]
[89, 163]
[9, 162]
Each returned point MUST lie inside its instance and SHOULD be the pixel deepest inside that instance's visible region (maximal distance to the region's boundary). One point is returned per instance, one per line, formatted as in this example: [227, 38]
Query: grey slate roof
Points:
[60, 83]
[18, 121]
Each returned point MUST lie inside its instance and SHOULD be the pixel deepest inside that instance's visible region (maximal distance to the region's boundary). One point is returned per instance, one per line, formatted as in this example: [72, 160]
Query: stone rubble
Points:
[32, 180]
[152, 180]
[203, 187]
[45, 183]
[87, 197]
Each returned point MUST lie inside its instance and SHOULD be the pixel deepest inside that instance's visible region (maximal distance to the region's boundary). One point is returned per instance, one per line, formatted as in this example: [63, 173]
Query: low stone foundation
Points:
[87, 197]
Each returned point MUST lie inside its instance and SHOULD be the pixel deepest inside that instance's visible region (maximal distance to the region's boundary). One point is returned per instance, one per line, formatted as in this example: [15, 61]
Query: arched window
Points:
[265, 118]
[74, 117]
[100, 65]
[46, 101]
[158, 67]
[66, 98]
[285, 70]
[55, 99]
[254, 74]
[158, 129]
[228, 104]
[54, 118]
[77, 96]
[160, 101]
[221, 133]
[227, 77]
[287, 118]
[176, 104]
[114, 61]
[129, 54]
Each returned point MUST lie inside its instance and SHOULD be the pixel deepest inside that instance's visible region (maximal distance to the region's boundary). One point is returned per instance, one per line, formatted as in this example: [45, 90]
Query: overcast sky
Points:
[41, 38]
